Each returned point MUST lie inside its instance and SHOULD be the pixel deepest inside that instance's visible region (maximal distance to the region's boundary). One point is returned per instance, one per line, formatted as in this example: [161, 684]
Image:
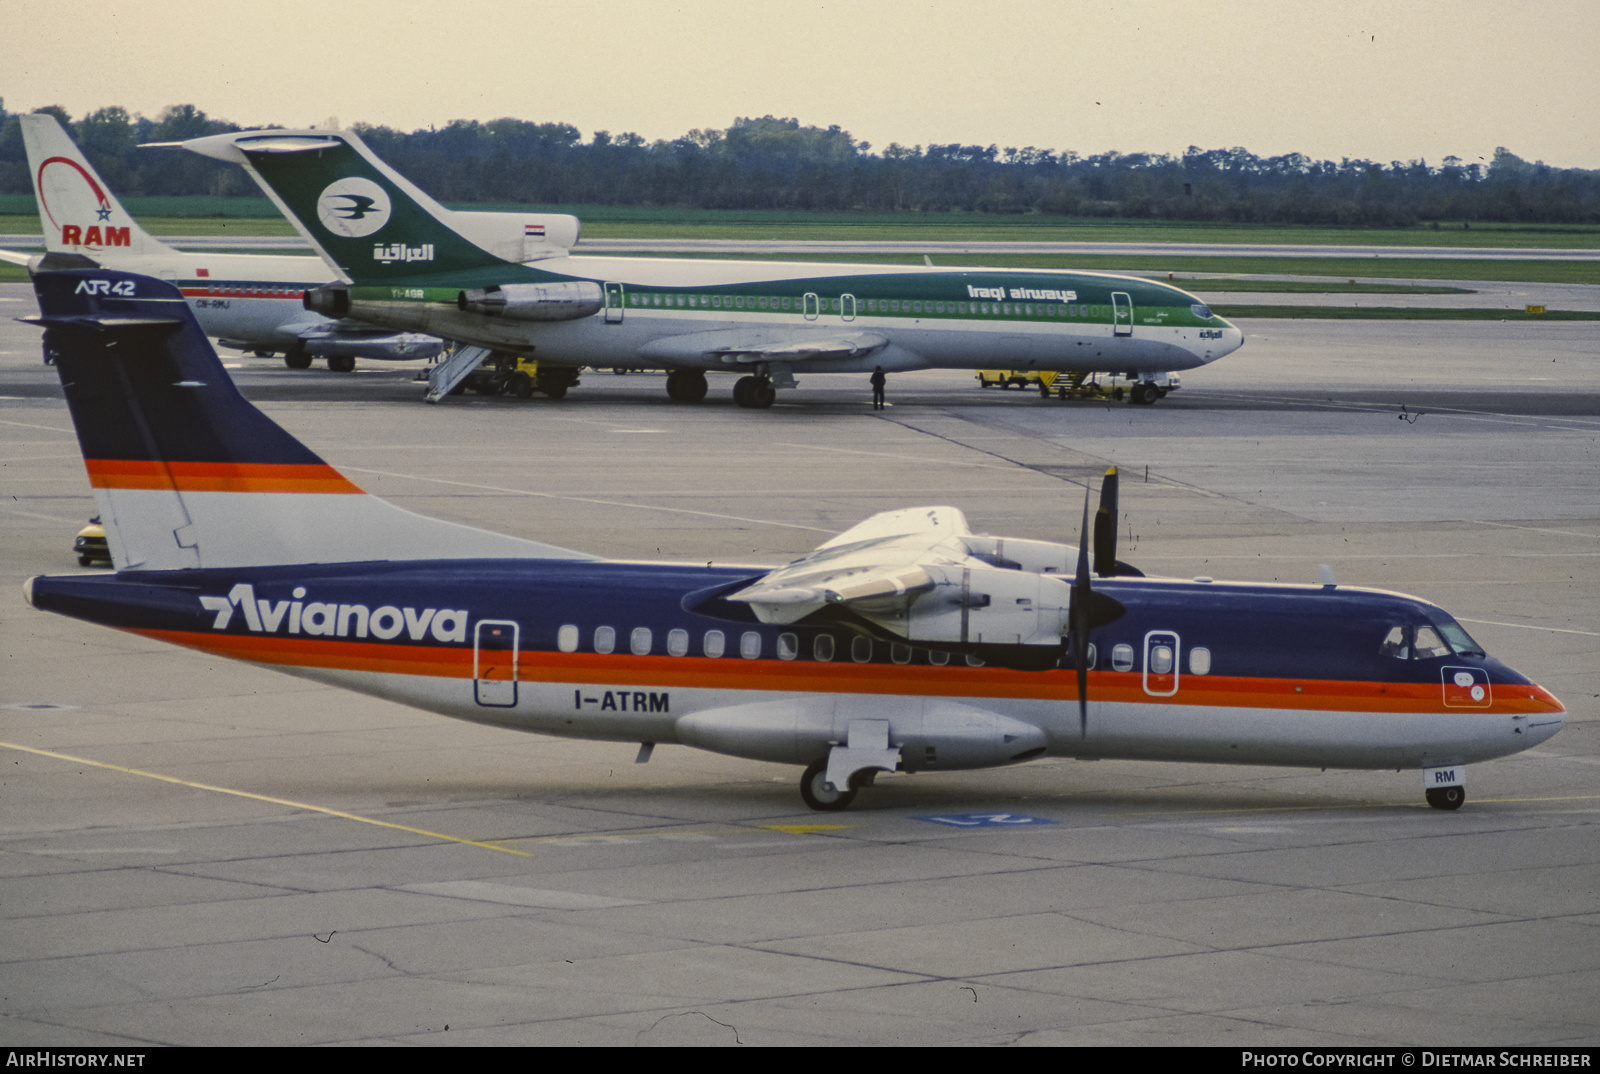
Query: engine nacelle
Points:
[931, 733]
[568, 301]
[331, 300]
[973, 606]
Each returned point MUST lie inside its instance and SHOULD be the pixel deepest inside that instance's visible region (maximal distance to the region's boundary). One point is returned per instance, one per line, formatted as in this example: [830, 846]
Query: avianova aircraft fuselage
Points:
[412, 264]
[907, 643]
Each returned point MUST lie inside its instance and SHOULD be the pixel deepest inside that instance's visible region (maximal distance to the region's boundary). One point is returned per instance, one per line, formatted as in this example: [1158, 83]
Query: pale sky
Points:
[1391, 80]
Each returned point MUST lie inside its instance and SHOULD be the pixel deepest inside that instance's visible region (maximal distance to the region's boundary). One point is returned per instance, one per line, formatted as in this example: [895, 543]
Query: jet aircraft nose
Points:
[1232, 339]
[1551, 718]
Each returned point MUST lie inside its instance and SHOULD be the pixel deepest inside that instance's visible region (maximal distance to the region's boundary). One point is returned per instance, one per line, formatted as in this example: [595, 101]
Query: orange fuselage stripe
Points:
[689, 672]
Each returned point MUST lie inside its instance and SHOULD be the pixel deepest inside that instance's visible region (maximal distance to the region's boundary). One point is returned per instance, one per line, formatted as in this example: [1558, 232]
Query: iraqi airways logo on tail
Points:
[353, 208]
[334, 620]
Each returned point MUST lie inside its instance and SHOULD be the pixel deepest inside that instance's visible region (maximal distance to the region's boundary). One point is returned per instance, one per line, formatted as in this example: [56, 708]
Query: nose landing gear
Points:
[1446, 797]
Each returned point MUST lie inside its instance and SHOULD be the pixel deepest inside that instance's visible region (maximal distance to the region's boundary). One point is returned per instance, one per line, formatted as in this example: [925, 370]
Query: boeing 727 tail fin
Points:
[77, 210]
[372, 224]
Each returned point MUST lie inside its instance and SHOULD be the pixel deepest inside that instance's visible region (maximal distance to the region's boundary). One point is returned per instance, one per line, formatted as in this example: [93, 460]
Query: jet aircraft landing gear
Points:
[297, 357]
[820, 795]
[1144, 394]
[1446, 797]
[687, 386]
[341, 363]
[754, 393]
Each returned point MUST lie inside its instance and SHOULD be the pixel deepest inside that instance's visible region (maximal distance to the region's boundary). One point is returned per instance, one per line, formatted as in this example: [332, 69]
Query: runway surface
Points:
[195, 851]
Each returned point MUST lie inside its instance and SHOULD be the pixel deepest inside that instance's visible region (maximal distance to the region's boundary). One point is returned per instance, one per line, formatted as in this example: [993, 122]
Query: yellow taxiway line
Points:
[341, 814]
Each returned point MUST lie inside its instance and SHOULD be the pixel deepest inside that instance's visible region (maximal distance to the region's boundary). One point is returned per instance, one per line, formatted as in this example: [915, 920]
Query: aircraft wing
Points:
[876, 566]
[11, 257]
[744, 346]
[359, 340]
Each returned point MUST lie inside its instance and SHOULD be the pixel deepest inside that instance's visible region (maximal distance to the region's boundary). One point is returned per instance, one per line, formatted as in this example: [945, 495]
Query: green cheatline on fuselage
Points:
[941, 295]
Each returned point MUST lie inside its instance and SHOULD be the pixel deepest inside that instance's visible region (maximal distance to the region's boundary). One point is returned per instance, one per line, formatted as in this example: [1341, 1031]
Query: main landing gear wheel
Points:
[754, 393]
[1446, 797]
[296, 357]
[341, 363]
[814, 788]
[686, 385]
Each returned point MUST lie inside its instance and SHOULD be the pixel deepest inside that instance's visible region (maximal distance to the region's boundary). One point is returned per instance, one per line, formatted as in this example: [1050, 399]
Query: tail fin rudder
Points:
[186, 472]
[368, 221]
[78, 212]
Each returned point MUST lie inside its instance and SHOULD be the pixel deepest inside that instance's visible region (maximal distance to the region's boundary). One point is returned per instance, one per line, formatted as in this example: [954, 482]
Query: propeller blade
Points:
[1078, 621]
[1105, 527]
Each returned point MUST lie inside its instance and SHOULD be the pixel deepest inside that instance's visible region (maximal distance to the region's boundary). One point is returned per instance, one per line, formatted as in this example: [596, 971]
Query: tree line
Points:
[773, 163]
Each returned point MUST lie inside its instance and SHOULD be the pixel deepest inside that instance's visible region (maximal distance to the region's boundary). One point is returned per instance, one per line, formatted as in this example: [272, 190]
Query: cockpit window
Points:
[1201, 310]
[1429, 644]
[1424, 642]
[1459, 639]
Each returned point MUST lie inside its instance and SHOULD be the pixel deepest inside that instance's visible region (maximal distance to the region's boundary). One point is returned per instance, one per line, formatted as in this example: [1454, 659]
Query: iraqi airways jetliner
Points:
[248, 302]
[412, 264]
[907, 643]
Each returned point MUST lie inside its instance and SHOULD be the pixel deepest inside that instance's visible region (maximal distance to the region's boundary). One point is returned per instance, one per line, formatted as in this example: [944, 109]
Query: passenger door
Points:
[1161, 652]
[1121, 313]
[494, 663]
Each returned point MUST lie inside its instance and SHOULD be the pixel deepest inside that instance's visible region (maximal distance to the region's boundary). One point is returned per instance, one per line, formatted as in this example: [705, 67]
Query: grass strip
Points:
[197, 215]
[1202, 285]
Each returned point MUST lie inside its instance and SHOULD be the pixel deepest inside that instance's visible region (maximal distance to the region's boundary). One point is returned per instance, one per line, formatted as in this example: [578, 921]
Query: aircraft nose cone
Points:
[1544, 724]
[1232, 339]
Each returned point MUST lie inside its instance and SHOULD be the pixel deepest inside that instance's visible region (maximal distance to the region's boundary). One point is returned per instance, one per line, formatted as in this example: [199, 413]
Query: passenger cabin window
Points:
[567, 639]
[677, 643]
[1122, 657]
[938, 659]
[640, 640]
[714, 644]
[788, 646]
[1200, 661]
[822, 648]
[900, 654]
[861, 650]
[605, 639]
[750, 645]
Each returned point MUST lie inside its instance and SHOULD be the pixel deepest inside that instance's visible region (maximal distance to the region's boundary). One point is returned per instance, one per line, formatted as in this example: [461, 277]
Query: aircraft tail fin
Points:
[368, 220]
[77, 210]
[186, 472]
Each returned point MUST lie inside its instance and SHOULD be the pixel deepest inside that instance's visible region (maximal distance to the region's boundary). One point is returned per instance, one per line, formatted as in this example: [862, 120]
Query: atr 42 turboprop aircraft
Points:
[249, 302]
[907, 643]
[413, 264]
